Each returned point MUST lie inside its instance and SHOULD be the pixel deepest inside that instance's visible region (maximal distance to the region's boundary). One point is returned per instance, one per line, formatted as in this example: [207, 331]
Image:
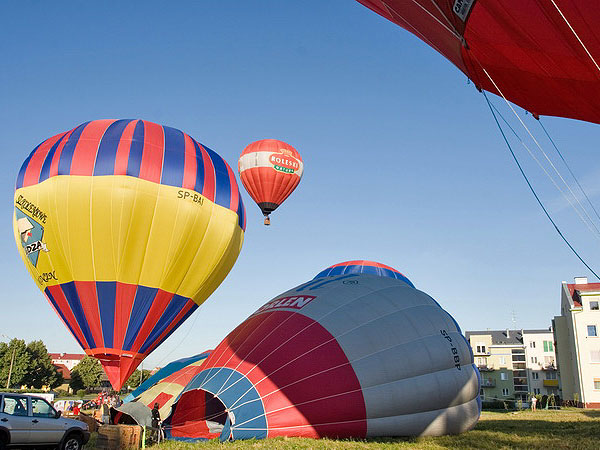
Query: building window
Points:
[533, 359]
[596, 383]
[536, 390]
[548, 346]
[503, 376]
[480, 347]
[535, 375]
[503, 360]
[551, 376]
[595, 356]
[592, 330]
[505, 392]
[594, 306]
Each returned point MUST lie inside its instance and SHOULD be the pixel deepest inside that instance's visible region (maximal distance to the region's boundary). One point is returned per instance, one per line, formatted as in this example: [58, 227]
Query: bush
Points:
[61, 393]
[81, 393]
[492, 404]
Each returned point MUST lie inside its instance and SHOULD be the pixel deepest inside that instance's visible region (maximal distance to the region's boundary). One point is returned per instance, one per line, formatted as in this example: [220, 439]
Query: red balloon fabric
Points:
[270, 171]
[543, 56]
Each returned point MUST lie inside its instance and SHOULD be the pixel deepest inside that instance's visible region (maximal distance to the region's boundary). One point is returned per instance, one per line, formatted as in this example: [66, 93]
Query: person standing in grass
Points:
[533, 402]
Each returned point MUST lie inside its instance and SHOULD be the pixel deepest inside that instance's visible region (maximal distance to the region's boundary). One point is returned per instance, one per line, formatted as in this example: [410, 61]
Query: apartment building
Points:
[577, 337]
[514, 363]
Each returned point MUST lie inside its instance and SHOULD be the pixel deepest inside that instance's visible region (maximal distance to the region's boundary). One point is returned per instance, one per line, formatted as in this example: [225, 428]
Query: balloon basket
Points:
[267, 221]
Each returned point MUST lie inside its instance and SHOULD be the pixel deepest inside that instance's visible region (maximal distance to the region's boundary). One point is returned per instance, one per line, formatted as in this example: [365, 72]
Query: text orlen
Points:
[294, 302]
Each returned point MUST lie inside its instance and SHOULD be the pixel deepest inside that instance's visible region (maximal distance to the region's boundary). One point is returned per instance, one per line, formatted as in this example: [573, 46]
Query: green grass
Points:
[564, 429]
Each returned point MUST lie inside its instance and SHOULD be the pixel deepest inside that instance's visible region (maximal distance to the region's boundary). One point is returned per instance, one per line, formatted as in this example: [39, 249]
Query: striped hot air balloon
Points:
[126, 226]
[353, 354]
[270, 170]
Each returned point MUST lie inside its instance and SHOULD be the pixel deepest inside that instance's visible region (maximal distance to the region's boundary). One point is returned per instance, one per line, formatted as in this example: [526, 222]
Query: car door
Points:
[15, 417]
[46, 428]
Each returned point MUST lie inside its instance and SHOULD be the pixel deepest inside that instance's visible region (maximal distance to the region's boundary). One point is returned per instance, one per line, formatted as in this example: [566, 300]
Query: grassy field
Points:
[564, 429]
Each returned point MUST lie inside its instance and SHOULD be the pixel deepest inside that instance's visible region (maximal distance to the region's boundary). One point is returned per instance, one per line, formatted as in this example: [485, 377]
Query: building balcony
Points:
[551, 383]
[488, 383]
[550, 367]
[485, 368]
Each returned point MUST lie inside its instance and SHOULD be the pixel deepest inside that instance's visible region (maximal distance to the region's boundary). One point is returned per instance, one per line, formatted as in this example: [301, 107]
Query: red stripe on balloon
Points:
[234, 193]
[122, 156]
[159, 304]
[189, 305]
[190, 165]
[57, 153]
[86, 290]
[208, 190]
[63, 305]
[152, 154]
[32, 173]
[84, 155]
[124, 297]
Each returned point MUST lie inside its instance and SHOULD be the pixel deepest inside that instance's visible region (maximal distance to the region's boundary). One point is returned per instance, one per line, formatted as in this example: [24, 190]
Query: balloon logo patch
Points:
[31, 233]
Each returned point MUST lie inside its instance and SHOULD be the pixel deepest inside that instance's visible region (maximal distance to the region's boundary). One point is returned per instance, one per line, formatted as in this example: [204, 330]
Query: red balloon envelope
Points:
[543, 56]
[270, 170]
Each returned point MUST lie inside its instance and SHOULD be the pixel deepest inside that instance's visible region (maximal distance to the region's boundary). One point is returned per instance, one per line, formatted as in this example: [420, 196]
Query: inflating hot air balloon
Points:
[356, 352]
[543, 56]
[270, 171]
[164, 386]
[126, 226]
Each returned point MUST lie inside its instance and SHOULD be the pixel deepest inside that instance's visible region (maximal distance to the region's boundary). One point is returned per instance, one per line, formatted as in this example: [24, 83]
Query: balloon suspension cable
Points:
[267, 220]
[533, 190]
[590, 222]
[568, 168]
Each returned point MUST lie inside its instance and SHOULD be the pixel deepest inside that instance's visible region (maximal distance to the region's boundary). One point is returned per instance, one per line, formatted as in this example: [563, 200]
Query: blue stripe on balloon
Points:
[177, 325]
[62, 316]
[241, 212]
[66, 156]
[222, 183]
[45, 172]
[107, 150]
[199, 187]
[107, 291]
[72, 297]
[144, 297]
[174, 157]
[136, 150]
[174, 307]
[21, 175]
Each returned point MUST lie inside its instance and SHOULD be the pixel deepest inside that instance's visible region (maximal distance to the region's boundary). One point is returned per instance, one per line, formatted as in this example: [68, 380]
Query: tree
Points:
[134, 379]
[41, 370]
[87, 374]
[20, 363]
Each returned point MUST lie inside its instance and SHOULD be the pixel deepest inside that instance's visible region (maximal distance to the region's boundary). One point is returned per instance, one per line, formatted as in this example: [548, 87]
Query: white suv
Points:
[29, 420]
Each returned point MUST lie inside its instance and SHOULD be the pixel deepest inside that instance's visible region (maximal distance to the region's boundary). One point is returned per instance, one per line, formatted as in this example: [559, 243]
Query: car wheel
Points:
[72, 442]
[3, 441]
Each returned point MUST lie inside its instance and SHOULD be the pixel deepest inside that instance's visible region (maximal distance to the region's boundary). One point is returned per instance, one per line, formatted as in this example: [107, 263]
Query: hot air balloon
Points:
[270, 171]
[543, 56]
[164, 386]
[126, 226]
[356, 353]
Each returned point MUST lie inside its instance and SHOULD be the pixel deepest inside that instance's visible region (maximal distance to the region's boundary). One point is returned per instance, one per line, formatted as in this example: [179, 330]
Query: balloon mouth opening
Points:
[198, 414]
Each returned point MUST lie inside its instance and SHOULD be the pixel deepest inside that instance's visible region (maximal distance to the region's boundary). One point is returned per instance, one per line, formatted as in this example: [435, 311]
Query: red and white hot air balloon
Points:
[270, 170]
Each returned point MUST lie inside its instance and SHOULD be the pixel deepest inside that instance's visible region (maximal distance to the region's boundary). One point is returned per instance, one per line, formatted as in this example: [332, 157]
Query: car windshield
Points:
[41, 408]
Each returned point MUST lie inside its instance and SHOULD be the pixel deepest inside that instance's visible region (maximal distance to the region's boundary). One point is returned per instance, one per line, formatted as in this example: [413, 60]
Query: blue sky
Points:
[403, 161]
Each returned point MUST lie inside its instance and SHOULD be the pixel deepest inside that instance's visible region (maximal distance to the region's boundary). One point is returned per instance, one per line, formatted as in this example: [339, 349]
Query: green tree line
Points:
[31, 365]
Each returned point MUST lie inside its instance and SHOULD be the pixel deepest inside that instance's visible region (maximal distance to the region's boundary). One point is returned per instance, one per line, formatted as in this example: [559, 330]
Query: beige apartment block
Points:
[576, 333]
[514, 363]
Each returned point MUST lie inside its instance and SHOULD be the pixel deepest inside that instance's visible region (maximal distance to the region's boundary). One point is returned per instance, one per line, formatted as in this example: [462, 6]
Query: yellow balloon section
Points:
[125, 257]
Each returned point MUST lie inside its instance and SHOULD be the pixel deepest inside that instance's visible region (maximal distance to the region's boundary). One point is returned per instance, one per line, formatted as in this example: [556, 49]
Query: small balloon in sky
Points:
[270, 171]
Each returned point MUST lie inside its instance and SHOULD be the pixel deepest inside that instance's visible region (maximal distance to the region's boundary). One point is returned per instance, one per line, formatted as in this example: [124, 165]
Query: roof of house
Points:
[499, 337]
[575, 289]
[65, 356]
[66, 373]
